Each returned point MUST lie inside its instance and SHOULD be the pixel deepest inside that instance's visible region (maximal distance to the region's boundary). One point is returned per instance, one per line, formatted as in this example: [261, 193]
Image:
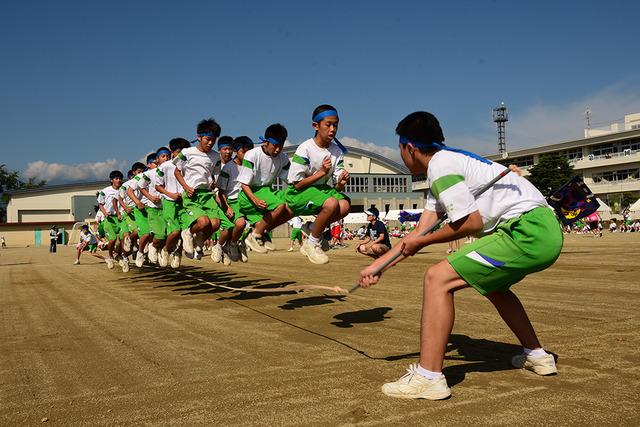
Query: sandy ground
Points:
[82, 345]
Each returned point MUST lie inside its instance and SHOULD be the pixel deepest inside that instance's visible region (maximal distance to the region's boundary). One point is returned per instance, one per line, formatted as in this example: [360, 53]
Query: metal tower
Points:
[500, 117]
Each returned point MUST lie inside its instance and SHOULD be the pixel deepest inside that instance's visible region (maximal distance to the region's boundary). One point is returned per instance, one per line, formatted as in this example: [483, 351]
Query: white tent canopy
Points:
[635, 207]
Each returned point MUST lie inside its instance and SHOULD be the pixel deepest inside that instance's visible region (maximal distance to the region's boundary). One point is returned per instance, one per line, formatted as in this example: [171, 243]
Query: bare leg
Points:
[172, 239]
[514, 315]
[330, 209]
[438, 313]
[272, 219]
[238, 229]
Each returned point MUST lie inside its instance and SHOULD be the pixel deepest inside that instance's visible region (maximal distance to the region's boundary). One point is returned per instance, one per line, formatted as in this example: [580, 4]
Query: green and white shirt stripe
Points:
[453, 178]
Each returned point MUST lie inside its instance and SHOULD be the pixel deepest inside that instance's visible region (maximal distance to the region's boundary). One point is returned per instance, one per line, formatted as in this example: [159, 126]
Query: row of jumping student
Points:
[187, 195]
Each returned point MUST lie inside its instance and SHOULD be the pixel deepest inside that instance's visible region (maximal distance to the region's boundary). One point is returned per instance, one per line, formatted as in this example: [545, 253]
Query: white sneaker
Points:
[76, 262]
[269, 245]
[124, 263]
[255, 243]
[109, 262]
[197, 256]
[163, 258]
[226, 258]
[290, 250]
[543, 365]
[187, 242]
[234, 251]
[139, 259]
[126, 245]
[216, 253]
[175, 260]
[314, 253]
[412, 385]
[153, 254]
[243, 252]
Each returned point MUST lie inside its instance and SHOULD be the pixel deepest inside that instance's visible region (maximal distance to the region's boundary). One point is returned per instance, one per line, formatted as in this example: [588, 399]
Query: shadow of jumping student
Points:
[311, 301]
[347, 320]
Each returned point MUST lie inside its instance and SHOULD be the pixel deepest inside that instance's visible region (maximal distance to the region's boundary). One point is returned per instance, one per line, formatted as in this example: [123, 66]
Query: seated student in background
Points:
[376, 241]
[88, 242]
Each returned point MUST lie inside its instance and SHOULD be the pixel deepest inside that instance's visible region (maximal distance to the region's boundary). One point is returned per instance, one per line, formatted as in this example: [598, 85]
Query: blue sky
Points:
[88, 86]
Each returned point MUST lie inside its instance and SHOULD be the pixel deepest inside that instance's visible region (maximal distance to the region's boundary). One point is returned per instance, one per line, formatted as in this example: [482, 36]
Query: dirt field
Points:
[82, 345]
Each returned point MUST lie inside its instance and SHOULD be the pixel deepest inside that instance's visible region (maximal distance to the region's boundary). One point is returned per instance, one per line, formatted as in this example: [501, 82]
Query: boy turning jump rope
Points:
[521, 236]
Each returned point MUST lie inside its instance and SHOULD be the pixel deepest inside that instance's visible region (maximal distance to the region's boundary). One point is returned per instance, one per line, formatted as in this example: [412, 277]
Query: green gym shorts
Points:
[523, 245]
[296, 234]
[156, 223]
[142, 222]
[203, 203]
[271, 197]
[111, 228]
[225, 222]
[171, 215]
[309, 200]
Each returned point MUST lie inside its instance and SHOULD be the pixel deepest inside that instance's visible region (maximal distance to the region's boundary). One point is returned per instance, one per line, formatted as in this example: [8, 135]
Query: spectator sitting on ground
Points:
[376, 242]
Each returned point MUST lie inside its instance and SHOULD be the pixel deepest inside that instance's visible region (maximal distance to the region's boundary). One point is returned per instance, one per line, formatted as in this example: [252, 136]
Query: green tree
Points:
[10, 180]
[551, 172]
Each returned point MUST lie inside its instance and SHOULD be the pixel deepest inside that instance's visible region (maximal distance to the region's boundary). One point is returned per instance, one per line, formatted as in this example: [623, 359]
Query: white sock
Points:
[314, 241]
[538, 352]
[430, 375]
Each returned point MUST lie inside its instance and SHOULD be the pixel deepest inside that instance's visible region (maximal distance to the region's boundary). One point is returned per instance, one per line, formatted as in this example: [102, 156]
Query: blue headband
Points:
[271, 140]
[152, 158]
[318, 117]
[225, 144]
[206, 134]
[441, 146]
[163, 151]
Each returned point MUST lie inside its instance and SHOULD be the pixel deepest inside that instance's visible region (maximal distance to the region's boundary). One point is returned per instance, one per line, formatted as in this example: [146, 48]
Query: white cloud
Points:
[387, 152]
[542, 124]
[61, 173]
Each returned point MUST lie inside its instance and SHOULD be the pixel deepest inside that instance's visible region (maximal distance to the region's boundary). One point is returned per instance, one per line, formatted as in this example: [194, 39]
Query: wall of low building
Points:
[23, 235]
[54, 205]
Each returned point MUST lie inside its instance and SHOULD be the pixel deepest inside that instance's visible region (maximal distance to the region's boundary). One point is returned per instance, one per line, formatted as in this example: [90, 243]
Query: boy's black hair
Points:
[130, 174]
[209, 126]
[225, 140]
[242, 142]
[138, 165]
[151, 158]
[321, 108]
[115, 174]
[277, 132]
[178, 143]
[162, 148]
[421, 127]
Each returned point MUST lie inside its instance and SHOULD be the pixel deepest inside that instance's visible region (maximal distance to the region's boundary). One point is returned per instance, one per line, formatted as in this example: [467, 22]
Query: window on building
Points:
[630, 145]
[603, 149]
[357, 184]
[401, 206]
[415, 206]
[572, 153]
[616, 176]
[522, 162]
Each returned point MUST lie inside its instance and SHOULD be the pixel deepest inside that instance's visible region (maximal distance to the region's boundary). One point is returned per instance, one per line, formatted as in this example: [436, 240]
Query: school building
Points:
[607, 159]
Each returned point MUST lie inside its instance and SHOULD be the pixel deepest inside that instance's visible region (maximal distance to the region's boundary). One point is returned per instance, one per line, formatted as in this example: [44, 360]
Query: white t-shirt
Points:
[454, 178]
[259, 169]
[123, 193]
[89, 237]
[308, 159]
[106, 197]
[147, 182]
[295, 222]
[197, 167]
[228, 180]
[166, 177]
